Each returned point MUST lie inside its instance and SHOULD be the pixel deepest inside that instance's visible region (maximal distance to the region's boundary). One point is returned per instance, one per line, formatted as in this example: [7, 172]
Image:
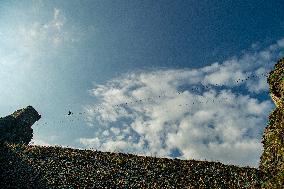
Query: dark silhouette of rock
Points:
[272, 159]
[16, 128]
[28, 166]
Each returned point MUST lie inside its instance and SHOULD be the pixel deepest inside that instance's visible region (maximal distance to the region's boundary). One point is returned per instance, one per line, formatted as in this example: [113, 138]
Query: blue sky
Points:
[165, 78]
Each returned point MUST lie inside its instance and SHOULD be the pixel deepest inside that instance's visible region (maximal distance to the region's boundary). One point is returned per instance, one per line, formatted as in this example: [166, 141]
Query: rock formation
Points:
[16, 128]
[272, 159]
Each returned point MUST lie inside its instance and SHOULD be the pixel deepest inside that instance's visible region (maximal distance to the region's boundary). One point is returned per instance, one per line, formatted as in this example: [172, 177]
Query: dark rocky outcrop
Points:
[57, 167]
[16, 128]
[272, 159]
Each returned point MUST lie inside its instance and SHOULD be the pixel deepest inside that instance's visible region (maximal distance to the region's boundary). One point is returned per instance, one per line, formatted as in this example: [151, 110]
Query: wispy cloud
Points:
[33, 36]
[40, 35]
[207, 113]
[40, 142]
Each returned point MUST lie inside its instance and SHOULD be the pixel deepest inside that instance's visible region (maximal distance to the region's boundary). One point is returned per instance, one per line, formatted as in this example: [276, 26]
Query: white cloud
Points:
[280, 43]
[29, 39]
[41, 142]
[33, 37]
[50, 140]
[38, 35]
[207, 113]
[94, 142]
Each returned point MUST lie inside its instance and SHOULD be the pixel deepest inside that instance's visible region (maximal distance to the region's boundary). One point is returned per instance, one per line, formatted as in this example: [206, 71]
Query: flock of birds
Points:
[72, 116]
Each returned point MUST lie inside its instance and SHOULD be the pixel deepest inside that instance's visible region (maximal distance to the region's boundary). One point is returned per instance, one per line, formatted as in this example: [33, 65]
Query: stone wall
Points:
[272, 159]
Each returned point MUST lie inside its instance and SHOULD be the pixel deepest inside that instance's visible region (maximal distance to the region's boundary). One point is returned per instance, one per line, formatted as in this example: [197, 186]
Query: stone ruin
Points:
[17, 127]
[272, 159]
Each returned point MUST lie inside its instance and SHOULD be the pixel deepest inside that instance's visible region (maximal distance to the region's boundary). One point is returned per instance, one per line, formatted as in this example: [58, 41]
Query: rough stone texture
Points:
[272, 159]
[28, 166]
[16, 128]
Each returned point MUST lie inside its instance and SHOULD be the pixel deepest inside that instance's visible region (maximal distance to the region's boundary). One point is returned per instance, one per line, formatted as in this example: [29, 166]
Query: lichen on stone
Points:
[272, 158]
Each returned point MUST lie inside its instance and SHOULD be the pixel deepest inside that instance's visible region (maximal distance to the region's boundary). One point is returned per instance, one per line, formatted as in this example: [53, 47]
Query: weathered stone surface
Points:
[272, 159]
[16, 128]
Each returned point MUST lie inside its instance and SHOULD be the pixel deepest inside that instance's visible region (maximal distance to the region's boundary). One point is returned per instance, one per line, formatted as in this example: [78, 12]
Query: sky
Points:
[176, 79]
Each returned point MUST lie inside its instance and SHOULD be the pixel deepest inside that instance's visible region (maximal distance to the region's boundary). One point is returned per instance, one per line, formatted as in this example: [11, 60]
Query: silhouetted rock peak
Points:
[16, 128]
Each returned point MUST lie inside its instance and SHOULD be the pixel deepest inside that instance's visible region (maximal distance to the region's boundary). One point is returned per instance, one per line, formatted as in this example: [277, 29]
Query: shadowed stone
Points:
[16, 128]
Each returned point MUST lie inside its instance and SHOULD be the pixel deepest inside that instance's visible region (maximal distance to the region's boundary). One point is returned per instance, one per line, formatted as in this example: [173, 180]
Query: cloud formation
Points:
[28, 38]
[38, 34]
[207, 113]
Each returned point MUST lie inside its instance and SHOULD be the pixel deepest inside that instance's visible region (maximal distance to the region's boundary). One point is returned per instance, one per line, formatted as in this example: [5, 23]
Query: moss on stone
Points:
[272, 158]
